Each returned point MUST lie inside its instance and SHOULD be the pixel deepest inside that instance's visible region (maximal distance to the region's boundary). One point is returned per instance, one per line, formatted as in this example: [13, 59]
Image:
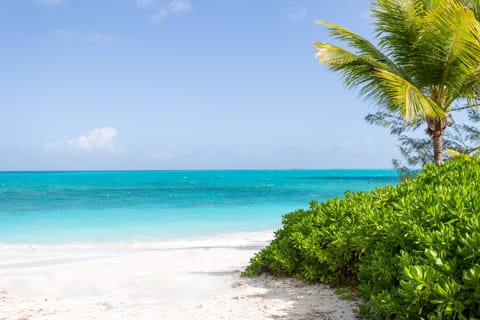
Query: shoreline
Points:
[195, 278]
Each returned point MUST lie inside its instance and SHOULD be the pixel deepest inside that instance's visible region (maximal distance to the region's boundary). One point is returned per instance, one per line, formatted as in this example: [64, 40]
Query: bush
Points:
[411, 250]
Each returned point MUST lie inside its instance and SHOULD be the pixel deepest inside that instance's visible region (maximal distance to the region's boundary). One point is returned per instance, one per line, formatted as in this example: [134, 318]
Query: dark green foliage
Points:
[416, 149]
[412, 250]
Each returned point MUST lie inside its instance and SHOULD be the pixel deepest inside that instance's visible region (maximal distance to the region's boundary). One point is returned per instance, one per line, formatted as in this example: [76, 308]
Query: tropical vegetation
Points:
[412, 251]
[416, 150]
[425, 65]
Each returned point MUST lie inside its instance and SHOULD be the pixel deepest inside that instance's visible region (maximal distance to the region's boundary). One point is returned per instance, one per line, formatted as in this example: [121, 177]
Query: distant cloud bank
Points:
[98, 140]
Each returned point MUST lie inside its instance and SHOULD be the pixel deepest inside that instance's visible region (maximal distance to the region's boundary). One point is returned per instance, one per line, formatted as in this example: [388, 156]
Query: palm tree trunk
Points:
[437, 140]
[435, 129]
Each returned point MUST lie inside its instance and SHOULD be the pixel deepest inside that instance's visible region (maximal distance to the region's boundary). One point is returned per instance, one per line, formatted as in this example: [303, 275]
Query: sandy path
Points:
[195, 279]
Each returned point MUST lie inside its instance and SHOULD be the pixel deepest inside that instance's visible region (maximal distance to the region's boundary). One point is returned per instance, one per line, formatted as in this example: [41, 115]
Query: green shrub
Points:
[412, 250]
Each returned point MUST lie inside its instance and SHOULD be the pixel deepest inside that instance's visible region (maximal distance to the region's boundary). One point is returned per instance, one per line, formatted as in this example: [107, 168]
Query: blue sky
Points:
[179, 84]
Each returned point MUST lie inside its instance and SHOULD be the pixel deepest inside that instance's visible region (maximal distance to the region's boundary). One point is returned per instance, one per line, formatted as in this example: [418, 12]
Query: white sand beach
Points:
[177, 279]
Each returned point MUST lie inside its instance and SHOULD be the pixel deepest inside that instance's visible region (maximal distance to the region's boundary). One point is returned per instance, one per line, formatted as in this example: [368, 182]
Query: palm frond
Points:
[361, 45]
[467, 88]
[451, 49]
[333, 55]
[378, 83]
[404, 97]
[398, 25]
[428, 58]
[474, 5]
[355, 69]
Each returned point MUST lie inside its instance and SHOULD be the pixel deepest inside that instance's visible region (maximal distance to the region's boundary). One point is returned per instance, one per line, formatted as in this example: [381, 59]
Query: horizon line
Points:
[149, 170]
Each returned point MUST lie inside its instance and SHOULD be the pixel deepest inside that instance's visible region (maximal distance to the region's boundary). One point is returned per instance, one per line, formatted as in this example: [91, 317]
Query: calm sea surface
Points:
[58, 207]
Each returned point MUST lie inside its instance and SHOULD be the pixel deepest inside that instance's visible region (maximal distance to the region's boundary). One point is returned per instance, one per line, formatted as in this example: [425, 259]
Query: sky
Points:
[180, 84]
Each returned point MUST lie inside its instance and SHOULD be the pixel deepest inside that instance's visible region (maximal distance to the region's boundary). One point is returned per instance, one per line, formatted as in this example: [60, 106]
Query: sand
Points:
[178, 279]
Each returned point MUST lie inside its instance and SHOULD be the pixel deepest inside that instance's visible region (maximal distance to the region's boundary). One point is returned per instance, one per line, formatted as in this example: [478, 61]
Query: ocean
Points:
[108, 206]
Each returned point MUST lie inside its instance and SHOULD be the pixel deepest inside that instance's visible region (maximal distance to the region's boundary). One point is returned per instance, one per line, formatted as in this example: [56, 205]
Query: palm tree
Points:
[427, 60]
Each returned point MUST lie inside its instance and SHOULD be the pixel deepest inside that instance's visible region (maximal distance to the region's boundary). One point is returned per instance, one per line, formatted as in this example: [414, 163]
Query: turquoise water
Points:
[57, 207]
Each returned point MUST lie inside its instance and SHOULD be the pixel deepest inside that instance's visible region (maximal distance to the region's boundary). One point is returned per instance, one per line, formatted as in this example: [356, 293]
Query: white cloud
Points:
[159, 15]
[98, 140]
[50, 3]
[179, 5]
[162, 9]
